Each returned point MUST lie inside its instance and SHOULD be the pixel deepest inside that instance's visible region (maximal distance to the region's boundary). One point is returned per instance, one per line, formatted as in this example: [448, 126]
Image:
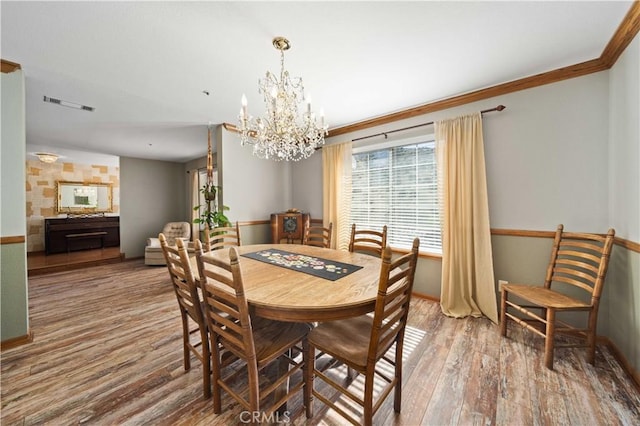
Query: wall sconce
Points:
[46, 157]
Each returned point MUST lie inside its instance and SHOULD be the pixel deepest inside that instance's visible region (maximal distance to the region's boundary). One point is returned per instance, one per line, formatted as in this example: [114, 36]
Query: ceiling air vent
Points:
[68, 104]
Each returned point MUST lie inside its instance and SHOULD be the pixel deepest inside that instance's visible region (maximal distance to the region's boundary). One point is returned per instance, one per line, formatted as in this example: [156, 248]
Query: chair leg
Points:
[309, 365]
[397, 396]
[206, 365]
[367, 418]
[185, 341]
[549, 338]
[281, 368]
[591, 338]
[215, 373]
[503, 313]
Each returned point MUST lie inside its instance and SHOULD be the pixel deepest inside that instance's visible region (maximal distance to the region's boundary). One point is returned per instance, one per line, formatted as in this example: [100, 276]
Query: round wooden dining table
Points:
[284, 294]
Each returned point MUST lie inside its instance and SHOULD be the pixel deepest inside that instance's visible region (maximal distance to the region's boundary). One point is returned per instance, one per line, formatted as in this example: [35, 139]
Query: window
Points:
[396, 185]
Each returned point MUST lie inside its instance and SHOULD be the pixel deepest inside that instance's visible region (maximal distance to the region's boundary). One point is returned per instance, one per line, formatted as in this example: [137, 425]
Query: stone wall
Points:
[41, 192]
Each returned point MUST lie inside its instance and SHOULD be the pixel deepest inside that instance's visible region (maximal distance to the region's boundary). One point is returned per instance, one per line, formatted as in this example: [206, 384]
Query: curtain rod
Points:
[498, 108]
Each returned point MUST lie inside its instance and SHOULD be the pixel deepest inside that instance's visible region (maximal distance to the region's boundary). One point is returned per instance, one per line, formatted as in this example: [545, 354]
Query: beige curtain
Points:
[336, 192]
[467, 262]
[195, 200]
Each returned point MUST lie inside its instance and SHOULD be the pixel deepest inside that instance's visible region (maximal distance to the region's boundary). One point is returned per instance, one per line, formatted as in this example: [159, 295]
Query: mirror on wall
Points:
[79, 197]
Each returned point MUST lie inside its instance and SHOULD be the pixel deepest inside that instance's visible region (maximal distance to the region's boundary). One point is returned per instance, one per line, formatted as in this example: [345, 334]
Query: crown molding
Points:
[625, 33]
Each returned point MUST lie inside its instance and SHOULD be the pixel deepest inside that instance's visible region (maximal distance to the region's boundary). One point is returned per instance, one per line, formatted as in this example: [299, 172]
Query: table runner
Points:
[317, 266]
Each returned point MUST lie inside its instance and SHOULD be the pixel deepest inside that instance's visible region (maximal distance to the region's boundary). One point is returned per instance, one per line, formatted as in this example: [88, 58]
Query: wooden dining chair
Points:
[368, 240]
[255, 341]
[194, 329]
[573, 282]
[318, 236]
[362, 343]
[221, 237]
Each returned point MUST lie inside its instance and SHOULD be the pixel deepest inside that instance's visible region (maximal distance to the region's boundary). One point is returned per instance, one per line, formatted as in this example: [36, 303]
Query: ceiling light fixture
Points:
[47, 157]
[283, 133]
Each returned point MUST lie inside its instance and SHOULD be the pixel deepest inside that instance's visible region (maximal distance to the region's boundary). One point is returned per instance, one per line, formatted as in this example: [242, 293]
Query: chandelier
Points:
[287, 132]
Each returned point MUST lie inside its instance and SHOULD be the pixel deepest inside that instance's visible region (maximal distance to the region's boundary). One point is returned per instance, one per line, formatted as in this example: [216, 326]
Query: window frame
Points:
[389, 145]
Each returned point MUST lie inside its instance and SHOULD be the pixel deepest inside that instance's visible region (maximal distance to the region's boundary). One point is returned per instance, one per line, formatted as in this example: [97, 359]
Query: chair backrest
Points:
[225, 306]
[173, 230]
[368, 240]
[182, 278]
[580, 260]
[392, 302]
[221, 237]
[318, 236]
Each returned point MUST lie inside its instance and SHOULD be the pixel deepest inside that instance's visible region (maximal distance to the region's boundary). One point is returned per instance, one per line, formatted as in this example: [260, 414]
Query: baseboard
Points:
[628, 368]
[426, 297]
[16, 341]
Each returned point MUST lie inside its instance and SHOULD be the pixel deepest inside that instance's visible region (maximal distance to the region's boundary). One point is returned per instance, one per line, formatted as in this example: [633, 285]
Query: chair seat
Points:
[345, 340]
[272, 338]
[545, 297]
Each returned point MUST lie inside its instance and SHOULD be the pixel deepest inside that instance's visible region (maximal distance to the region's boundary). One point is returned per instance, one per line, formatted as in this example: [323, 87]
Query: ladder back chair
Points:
[318, 236]
[573, 282]
[194, 336]
[368, 240]
[221, 237]
[363, 343]
[256, 342]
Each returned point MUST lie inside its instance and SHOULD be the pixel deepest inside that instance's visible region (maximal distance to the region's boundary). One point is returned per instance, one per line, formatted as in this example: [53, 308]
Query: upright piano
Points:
[81, 233]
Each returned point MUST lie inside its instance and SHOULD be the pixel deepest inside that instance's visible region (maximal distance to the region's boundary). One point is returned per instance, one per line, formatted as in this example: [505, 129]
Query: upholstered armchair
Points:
[172, 231]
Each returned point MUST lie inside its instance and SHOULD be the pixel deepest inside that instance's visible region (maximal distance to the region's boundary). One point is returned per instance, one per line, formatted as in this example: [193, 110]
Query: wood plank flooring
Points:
[107, 350]
[39, 263]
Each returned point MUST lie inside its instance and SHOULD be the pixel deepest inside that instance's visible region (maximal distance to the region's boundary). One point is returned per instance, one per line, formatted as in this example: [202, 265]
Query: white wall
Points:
[567, 152]
[252, 188]
[546, 155]
[621, 313]
[624, 115]
[152, 193]
[306, 185]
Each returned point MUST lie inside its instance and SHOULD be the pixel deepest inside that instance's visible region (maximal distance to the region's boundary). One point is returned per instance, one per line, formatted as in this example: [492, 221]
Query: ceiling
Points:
[144, 66]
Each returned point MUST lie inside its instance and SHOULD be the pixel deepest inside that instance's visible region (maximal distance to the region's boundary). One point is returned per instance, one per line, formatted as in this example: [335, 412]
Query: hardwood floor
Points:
[107, 350]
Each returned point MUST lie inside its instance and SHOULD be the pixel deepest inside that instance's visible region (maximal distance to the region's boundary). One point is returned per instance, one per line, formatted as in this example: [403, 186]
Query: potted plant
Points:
[209, 213]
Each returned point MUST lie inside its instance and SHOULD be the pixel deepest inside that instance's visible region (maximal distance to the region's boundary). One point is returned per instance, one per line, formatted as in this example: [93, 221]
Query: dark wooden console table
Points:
[81, 233]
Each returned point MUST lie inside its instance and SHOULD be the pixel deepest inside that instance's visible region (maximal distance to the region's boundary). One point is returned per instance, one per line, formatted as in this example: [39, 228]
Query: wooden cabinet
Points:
[288, 226]
[81, 233]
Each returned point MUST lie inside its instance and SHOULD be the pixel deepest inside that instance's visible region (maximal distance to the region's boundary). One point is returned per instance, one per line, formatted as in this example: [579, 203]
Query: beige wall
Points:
[41, 191]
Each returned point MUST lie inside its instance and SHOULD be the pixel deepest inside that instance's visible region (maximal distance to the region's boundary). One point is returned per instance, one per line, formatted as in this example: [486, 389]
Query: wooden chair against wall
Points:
[221, 237]
[177, 261]
[368, 240]
[362, 342]
[257, 342]
[574, 281]
[318, 236]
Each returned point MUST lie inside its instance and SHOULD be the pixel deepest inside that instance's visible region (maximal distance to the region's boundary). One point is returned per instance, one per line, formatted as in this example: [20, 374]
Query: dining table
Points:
[280, 284]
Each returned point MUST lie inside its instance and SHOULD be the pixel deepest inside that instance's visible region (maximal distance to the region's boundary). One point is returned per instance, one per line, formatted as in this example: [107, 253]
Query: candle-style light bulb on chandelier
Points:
[286, 132]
